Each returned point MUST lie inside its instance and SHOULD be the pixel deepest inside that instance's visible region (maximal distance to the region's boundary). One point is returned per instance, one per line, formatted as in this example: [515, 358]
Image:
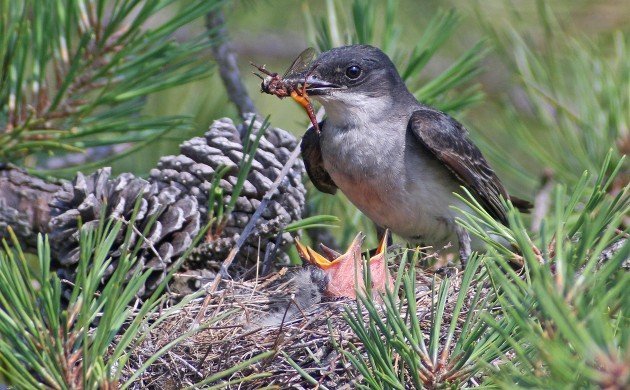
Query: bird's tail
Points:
[521, 204]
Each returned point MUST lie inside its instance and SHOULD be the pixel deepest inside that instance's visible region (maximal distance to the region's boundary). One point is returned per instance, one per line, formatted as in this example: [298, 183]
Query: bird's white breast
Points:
[387, 174]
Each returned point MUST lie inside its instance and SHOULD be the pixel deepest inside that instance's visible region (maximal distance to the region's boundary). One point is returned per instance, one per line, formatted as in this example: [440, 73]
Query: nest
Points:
[259, 316]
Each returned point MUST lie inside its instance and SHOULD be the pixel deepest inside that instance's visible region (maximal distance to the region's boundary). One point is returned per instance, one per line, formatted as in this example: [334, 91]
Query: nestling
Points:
[344, 272]
[396, 159]
[332, 275]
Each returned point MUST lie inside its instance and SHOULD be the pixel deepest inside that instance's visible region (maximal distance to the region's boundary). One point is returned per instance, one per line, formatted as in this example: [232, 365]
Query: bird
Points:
[400, 162]
[342, 271]
[329, 275]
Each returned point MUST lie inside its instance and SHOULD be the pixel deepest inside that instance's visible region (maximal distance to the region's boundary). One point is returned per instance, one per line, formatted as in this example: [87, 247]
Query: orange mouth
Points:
[345, 271]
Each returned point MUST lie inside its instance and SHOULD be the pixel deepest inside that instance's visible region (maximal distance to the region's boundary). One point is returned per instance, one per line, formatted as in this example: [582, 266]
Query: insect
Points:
[289, 85]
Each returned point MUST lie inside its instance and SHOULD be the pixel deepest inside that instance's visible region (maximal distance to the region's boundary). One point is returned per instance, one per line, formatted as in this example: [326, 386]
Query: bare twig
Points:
[212, 286]
[608, 253]
[270, 254]
[252, 222]
[611, 250]
[228, 69]
[144, 238]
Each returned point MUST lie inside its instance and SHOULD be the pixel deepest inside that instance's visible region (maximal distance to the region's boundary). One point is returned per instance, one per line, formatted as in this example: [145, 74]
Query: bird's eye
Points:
[353, 72]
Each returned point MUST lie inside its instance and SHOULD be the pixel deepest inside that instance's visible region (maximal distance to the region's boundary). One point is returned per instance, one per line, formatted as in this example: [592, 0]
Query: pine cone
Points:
[24, 204]
[170, 235]
[193, 170]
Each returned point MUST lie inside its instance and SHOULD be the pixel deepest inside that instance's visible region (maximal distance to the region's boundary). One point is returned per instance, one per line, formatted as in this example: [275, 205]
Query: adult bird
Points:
[397, 160]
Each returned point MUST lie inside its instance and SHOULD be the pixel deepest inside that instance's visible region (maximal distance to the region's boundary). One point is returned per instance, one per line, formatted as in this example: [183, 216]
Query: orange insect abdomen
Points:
[302, 100]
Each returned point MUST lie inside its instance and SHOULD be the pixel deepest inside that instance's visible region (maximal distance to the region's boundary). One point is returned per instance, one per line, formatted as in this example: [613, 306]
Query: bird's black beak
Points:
[316, 86]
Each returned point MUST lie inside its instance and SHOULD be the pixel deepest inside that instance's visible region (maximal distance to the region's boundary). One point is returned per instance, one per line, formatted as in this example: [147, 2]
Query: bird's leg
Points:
[464, 244]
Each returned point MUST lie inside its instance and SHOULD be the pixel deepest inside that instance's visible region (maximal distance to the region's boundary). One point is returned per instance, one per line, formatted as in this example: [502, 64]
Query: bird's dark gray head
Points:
[356, 84]
[359, 69]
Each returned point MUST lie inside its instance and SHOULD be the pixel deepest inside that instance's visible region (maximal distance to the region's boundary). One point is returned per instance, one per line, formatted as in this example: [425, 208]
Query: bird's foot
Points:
[447, 271]
[345, 271]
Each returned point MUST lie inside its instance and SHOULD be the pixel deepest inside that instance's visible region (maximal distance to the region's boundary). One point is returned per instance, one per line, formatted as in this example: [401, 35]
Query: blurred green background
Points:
[274, 32]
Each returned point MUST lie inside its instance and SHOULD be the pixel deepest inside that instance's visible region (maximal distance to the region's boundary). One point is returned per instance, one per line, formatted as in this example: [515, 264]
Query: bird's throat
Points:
[348, 110]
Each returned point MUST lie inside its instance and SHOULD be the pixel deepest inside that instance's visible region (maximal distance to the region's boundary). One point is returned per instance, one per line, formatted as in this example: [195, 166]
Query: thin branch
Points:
[212, 286]
[611, 250]
[608, 253]
[226, 59]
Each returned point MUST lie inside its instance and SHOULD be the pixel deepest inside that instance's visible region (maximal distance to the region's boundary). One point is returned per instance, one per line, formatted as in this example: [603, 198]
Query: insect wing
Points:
[301, 63]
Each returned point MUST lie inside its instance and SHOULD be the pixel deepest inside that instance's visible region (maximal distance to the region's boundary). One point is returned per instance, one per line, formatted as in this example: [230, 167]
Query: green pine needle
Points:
[75, 73]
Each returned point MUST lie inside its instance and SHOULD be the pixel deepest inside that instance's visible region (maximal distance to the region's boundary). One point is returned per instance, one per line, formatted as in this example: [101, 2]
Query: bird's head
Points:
[344, 271]
[354, 78]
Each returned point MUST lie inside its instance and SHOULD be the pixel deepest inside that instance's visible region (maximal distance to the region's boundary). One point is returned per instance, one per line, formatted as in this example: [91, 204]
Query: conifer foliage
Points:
[76, 74]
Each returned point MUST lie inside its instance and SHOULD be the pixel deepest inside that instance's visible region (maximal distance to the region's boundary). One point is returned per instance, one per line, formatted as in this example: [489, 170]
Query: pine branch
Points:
[610, 251]
[571, 290]
[84, 340]
[76, 73]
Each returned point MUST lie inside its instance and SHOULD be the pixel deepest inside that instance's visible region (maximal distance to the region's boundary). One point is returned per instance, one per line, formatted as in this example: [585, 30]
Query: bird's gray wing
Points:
[312, 156]
[448, 140]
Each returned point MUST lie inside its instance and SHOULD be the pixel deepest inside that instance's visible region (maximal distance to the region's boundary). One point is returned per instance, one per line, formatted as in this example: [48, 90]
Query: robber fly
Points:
[289, 85]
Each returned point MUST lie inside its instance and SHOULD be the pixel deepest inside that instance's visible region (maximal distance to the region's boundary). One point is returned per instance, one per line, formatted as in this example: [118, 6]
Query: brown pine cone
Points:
[170, 235]
[193, 170]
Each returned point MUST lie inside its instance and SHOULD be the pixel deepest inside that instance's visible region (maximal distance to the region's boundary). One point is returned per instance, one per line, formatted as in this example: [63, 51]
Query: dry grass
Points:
[312, 337]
